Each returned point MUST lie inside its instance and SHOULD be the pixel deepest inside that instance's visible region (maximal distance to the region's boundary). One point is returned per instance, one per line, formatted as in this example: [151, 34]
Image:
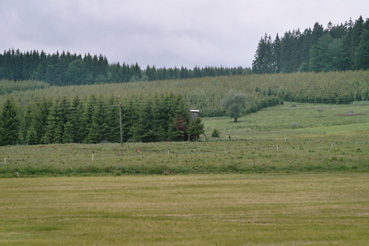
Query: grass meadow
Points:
[287, 176]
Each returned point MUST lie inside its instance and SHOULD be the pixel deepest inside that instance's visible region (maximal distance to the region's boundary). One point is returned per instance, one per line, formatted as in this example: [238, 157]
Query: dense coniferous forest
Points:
[334, 48]
[71, 69]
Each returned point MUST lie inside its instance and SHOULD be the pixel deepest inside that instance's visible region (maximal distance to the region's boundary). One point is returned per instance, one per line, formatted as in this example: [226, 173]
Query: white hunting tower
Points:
[194, 113]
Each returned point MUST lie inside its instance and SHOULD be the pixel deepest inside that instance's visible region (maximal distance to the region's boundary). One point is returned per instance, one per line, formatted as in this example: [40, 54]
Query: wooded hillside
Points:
[334, 48]
[72, 69]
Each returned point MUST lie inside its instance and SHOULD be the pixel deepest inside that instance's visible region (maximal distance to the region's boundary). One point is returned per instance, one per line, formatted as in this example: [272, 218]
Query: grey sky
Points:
[163, 32]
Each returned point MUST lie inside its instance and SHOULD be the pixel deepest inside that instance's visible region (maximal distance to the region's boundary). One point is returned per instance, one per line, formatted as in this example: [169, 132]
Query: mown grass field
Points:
[251, 209]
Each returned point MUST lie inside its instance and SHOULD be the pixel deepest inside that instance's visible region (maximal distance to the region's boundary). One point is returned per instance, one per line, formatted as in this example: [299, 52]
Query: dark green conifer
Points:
[9, 123]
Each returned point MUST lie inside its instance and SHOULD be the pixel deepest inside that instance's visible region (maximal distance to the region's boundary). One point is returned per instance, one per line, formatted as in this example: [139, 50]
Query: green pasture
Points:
[252, 209]
[313, 119]
[324, 140]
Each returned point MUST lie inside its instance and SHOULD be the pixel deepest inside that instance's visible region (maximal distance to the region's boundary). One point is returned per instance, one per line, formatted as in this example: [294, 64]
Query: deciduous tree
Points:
[234, 105]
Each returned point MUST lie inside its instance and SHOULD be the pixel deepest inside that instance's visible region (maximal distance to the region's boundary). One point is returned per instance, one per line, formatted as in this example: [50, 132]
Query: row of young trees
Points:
[96, 120]
[335, 48]
[72, 69]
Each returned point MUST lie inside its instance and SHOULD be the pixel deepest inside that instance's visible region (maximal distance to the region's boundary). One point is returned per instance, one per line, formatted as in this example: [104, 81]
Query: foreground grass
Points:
[257, 209]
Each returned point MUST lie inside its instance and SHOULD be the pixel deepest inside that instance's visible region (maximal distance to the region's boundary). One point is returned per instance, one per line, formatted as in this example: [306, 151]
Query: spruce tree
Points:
[179, 129]
[77, 73]
[31, 137]
[196, 128]
[26, 123]
[129, 117]
[99, 128]
[320, 59]
[53, 131]
[357, 30]
[9, 123]
[68, 133]
[40, 120]
[76, 120]
[362, 52]
[87, 118]
[276, 55]
[145, 126]
[113, 134]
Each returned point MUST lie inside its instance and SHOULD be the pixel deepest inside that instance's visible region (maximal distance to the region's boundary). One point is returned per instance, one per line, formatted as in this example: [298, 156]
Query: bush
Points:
[215, 133]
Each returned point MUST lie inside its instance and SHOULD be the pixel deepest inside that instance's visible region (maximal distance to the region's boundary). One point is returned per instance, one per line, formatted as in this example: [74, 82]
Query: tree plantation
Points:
[94, 120]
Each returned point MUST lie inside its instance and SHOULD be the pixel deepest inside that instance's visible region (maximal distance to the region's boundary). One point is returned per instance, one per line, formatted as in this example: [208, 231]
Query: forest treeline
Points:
[72, 69]
[96, 120]
[334, 48]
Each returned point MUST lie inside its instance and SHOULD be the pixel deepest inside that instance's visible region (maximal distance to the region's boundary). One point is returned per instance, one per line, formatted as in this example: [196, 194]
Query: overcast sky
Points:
[163, 32]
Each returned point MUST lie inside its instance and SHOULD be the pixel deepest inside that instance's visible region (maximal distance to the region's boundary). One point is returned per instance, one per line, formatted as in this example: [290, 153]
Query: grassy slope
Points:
[276, 121]
[310, 209]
